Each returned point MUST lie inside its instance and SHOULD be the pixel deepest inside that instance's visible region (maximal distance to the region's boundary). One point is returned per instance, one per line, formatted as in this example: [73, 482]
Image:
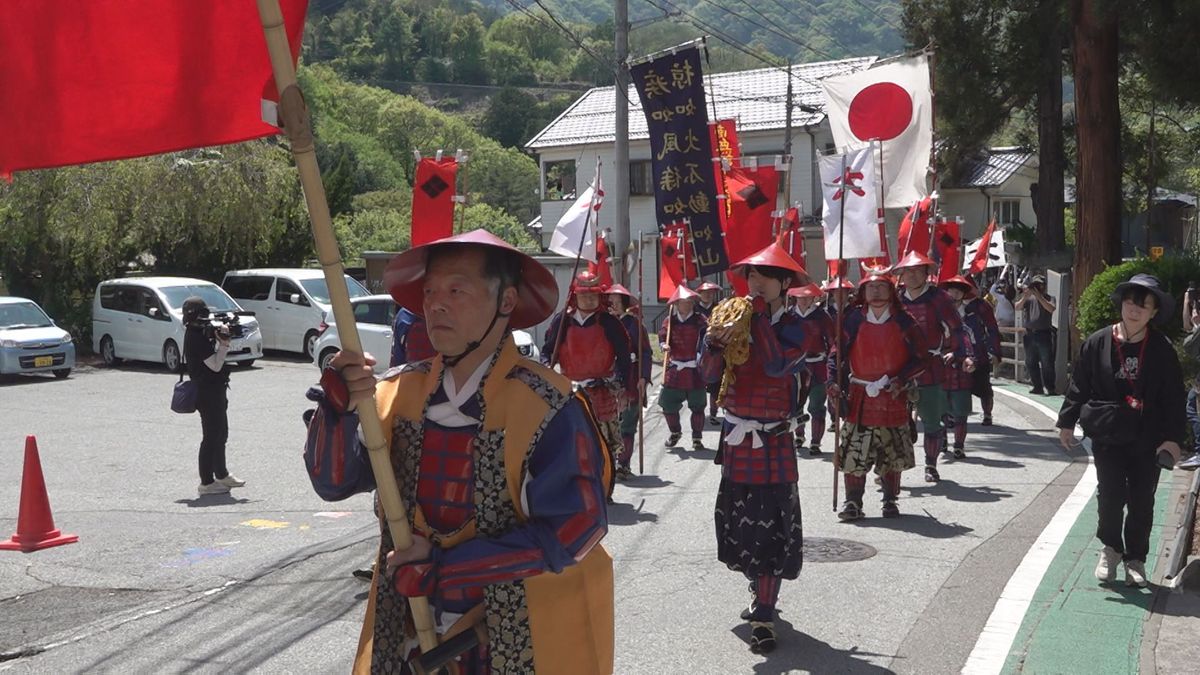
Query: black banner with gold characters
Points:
[671, 88]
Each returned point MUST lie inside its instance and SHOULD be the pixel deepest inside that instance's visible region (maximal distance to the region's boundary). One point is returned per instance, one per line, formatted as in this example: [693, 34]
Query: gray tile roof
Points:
[993, 169]
[756, 98]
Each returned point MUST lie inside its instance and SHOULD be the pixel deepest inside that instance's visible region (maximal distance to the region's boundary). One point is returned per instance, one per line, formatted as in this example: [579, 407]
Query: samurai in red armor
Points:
[839, 296]
[500, 467]
[680, 336]
[946, 342]
[710, 294]
[623, 305]
[980, 319]
[410, 339]
[594, 353]
[961, 376]
[885, 353]
[758, 520]
[818, 339]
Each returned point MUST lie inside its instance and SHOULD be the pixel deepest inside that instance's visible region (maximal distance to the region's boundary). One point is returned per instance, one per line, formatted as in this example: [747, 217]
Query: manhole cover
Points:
[825, 549]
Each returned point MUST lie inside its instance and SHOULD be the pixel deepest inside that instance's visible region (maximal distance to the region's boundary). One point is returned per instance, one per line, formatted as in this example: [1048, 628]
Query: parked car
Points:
[30, 342]
[375, 316]
[290, 304]
[141, 319]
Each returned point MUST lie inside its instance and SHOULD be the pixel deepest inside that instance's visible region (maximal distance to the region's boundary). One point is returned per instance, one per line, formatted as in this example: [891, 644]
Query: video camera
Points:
[228, 322]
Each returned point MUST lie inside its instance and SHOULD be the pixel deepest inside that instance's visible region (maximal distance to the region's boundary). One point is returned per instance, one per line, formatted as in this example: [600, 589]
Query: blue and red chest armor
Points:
[878, 349]
[683, 369]
[818, 339]
[586, 356]
[936, 316]
[764, 400]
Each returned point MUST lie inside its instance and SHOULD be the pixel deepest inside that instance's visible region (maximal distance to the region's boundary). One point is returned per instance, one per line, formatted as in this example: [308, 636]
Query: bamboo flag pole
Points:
[641, 355]
[838, 360]
[294, 114]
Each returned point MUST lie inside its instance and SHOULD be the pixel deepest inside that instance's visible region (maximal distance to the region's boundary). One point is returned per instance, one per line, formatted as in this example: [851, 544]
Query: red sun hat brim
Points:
[537, 290]
[773, 256]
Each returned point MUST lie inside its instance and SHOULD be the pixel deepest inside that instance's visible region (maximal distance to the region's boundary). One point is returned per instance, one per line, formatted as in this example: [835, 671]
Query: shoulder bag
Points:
[183, 399]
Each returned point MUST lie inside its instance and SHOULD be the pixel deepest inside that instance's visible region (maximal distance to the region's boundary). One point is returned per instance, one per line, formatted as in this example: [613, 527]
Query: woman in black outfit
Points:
[205, 359]
[1127, 393]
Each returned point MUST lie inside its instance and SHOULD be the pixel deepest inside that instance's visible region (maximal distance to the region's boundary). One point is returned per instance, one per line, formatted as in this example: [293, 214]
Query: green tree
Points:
[466, 44]
[505, 111]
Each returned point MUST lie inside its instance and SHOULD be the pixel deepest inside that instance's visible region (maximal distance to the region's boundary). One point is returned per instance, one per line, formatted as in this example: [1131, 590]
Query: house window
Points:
[641, 178]
[559, 179]
[1006, 211]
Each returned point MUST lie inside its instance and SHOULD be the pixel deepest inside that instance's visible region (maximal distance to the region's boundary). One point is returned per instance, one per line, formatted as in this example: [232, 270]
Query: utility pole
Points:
[787, 142]
[621, 232]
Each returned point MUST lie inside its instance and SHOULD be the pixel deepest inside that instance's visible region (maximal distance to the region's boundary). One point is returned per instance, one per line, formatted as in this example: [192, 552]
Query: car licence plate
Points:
[43, 361]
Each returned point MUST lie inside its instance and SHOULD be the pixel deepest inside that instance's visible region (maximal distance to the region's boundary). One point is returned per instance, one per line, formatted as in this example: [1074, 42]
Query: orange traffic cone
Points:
[35, 524]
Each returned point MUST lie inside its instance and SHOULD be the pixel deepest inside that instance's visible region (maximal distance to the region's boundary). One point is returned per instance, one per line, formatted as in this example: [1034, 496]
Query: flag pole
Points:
[641, 328]
[296, 124]
[837, 427]
[587, 224]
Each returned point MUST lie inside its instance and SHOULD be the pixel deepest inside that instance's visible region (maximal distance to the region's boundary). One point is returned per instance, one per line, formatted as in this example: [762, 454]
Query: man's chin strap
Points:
[452, 361]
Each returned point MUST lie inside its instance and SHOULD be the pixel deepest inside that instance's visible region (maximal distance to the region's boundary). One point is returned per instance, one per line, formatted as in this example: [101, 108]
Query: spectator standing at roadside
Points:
[1036, 309]
[204, 352]
[1002, 297]
[1193, 416]
[1126, 392]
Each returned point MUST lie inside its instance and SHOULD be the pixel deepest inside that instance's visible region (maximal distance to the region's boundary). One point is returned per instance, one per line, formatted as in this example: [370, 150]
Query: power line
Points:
[754, 9]
[879, 14]
[817, 15]
[770, 29]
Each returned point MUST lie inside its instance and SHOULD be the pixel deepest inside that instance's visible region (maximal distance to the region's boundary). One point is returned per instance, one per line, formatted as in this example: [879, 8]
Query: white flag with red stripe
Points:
[575, 233]
[851, 204]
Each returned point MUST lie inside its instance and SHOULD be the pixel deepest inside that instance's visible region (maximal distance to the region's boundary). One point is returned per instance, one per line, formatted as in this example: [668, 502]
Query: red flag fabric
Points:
[979, 263]
[101, 80]
[914, 229]
[752, 194]
[791, 237]
[946, 245]
[675, 261]
[723, 134]
[433, 199]
[601, 267]
[837, 269]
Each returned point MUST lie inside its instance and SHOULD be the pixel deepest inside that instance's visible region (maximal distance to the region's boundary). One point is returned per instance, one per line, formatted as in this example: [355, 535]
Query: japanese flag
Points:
[890, 103]
[851, 219]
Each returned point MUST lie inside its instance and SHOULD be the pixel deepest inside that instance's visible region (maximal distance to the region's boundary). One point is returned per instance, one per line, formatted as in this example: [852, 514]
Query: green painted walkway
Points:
[1075, 624]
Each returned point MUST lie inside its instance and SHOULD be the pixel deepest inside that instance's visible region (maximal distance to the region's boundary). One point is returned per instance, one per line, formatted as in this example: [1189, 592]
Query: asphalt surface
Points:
[259, 581]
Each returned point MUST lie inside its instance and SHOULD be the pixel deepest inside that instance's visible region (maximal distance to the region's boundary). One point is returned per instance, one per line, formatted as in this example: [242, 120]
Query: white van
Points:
[290, 304]
[141, 319]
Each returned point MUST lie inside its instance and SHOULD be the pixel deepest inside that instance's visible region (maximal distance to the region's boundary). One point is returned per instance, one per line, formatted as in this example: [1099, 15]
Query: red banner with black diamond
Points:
[433, 200]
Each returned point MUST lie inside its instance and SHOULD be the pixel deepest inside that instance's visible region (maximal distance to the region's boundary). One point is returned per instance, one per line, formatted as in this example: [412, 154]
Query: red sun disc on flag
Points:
[880, 111]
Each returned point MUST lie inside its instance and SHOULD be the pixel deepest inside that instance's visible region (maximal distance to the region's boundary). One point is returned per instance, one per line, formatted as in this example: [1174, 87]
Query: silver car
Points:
[30, 342]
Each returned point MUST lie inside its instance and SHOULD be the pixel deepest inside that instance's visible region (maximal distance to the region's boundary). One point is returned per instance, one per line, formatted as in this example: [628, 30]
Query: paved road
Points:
[162, 581]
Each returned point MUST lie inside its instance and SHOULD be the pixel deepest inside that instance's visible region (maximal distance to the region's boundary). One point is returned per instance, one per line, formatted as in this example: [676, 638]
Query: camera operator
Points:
[1191, 317]
[1036, 308]
[204, 349]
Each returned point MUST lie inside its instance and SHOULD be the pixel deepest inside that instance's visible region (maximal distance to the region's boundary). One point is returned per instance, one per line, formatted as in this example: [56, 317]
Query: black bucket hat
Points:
[194, 308]
[1166, 303]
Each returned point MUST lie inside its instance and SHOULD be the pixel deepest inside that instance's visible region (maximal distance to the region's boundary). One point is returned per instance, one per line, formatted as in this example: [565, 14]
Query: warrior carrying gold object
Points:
[733, 313]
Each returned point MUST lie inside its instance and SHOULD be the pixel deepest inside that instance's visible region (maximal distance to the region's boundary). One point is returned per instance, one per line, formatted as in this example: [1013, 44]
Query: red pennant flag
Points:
[914, 229]
[946, 245]
[723, 134]
[433, 199]
[601, 268]
[791, 237]
[101, 80]
[837, 268]
[752, 193]
[979, 263]
[675, 260]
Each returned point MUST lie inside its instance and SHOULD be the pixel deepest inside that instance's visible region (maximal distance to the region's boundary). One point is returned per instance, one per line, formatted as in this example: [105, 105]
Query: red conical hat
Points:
[913, 259]
[537, 291]
[836, 283]
[618, 289]
[967, 286]
[708, 286]
[809, 290]
[586, 282]
[682, 292]
[774, 256]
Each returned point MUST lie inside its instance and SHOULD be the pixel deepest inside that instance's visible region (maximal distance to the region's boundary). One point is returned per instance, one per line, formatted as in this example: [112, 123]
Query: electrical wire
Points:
[770, 29]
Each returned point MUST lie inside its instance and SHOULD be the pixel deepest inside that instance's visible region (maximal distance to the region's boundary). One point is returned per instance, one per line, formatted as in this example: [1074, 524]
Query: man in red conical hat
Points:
[945, 339]
[839, 294]
[961, 382]
[759, 527]
[594, 353]
[818, 339]
[621, 304]
[884, 351]
[680, 336]
[505, 521]
[710, 294]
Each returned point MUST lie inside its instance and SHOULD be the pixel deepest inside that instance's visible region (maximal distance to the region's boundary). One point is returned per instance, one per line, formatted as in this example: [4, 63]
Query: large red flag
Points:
[946, 245]
[979, 264]
[752, 193]
[675, 261]
[914, 229]
[601, 267]
[433, 199]
[791, 237]
[100, 80]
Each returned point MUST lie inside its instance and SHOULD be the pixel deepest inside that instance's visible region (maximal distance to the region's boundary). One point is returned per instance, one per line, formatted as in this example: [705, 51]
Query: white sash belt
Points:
[680, 365]
[874, 388]
[740, 427]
